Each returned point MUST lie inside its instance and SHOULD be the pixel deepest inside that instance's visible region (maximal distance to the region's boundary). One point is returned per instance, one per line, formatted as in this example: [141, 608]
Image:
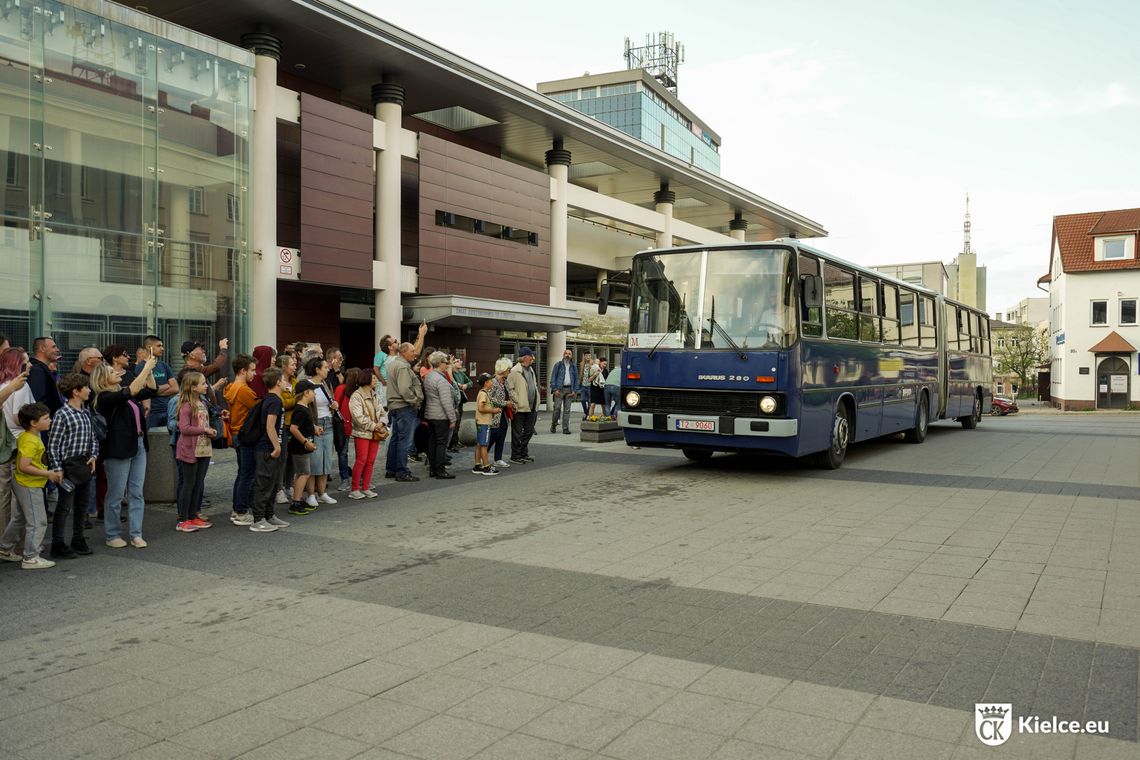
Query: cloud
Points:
[1037, 103]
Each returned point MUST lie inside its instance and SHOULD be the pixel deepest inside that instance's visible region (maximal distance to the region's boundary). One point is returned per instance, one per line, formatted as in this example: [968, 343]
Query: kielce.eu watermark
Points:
[993, 724]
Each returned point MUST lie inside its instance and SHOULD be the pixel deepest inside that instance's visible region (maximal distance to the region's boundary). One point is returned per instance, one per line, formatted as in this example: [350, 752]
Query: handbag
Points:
[380, 434]
[219, 440]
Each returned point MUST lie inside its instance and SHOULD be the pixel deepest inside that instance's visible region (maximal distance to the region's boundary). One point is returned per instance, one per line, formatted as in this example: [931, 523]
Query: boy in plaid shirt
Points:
[72, 449]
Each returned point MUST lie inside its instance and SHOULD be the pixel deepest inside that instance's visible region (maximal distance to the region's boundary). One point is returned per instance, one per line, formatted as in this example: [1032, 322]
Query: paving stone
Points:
[823, 701]
[445, 737]
[552, 681]
[522, 747]
[810, 735]
[234, 734]
[372, 677]
[504, 708]
[583, 726]
[374, 721]
[102, 740]
[163, 720]
[310, 703]
[637, 698]
[865, 743]
[434, 691]
[705, 713]
[742, 687]
[649, 740]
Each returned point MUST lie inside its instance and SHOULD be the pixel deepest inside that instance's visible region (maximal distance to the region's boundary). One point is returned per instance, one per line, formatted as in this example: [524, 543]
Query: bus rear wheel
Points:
[832, 457]
[697, 455]
[917, 434]
[971, 422]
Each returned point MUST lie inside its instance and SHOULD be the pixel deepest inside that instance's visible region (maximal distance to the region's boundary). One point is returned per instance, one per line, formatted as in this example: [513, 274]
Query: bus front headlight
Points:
[768, 405]
[632, 399]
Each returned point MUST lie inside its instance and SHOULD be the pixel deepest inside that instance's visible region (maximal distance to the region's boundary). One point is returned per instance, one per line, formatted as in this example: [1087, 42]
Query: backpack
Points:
[254, 426]
[172, 415]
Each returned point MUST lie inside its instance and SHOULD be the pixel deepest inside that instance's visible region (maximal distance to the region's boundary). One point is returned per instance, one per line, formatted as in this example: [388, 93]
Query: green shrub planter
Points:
[601, 431]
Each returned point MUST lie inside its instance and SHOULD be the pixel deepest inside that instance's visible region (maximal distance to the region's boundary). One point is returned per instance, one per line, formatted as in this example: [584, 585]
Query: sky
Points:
[874, 119]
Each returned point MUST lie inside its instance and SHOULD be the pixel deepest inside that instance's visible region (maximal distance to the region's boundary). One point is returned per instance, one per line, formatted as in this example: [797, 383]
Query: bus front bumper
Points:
[758, 427]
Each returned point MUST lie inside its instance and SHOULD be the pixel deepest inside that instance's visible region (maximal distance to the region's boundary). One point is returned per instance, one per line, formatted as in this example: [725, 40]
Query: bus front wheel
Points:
[832, 458]
[697, 455]
[917, 434]
[971, 422]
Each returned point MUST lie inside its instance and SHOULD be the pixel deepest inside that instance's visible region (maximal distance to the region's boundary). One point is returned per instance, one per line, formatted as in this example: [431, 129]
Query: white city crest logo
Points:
[993, 723]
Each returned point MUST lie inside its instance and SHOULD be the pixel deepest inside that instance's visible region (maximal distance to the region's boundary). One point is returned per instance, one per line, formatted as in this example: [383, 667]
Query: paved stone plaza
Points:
[612, 603]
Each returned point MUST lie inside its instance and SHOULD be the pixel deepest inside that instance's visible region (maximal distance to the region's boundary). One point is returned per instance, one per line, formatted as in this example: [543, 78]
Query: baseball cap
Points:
[302, 386]
[526, 351]
[189, 346]
[483, 377]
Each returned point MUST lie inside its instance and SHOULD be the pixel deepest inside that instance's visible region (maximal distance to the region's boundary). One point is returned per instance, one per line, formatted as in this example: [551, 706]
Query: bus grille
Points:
[716, 403]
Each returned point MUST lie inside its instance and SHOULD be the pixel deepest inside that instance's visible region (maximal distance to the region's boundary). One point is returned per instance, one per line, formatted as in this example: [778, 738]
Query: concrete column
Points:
[263, 225]
[738, 227]
[178, 245]
[664, 200]
[388, 100]
[558, 163]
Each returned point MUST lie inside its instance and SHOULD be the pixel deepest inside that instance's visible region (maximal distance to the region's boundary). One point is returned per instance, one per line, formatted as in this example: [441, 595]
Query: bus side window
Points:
[890, 313]
[929, 325]
[908, 318]
[976, 333]
[840, 302]
[869, 329]
[986, 349]
[811, 319]
[963, 330]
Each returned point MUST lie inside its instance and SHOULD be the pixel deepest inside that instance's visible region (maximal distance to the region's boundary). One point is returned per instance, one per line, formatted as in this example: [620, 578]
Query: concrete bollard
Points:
[161, 473]
[467, 430]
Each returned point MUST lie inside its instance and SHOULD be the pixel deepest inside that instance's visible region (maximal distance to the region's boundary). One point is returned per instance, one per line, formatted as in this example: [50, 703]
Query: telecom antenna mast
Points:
[660, 56]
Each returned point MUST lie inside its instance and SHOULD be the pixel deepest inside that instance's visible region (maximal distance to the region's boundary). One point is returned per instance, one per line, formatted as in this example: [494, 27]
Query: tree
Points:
[1024, 351]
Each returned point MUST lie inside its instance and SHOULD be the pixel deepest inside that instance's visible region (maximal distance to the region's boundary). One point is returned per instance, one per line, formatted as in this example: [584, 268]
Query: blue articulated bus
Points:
[779, 348]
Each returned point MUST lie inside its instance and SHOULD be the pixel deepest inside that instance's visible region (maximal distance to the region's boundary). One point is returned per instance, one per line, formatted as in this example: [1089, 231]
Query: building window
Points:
[231, 264]
[1114, 249]
[1128, 311]
[1100, 312]
[198, 200]
[196, 263]
[12, 169]
[233, 208]
[483, 227]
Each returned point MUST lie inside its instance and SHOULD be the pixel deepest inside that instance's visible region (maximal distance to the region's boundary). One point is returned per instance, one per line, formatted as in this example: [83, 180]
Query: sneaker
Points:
[518, 460]
[201, 516]
[299, 508]
[477, 470]
[344, 485]
[489, 471]
[311, 500]
[11, 556]
[389, 475]
[186, 526]
[529, 459]
[369, 493]
[36, 563]
[241, 518]
[138, 542]
[277, 522]
[324, 498]
[566, 432]
[201, 523]
[443, 475]
[116, 543]
[79, 546]
[416, 457]
[87, 525]
[502, 464]
[553, 429]
[281, 498]
[62, 551]
[262, 526]
[407, 478]
[356, 495]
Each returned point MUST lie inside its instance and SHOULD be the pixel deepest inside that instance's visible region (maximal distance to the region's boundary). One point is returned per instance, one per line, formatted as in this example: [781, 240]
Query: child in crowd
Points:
[270, 457]
[484, 413]
[31, 477]
[74, 449]
[193, 450]
[301, 444]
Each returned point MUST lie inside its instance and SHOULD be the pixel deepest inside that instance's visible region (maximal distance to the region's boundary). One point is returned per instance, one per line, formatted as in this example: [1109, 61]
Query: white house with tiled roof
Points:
[1094, 287]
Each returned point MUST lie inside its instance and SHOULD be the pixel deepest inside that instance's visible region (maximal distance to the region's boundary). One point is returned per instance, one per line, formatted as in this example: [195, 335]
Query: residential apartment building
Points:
[1094, 286]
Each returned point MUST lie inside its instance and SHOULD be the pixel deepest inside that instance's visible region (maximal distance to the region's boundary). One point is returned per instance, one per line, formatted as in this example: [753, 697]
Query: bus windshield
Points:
[720, 299]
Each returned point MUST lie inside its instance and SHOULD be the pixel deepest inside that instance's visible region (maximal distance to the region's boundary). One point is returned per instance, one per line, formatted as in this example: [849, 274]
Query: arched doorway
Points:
[1112, 384]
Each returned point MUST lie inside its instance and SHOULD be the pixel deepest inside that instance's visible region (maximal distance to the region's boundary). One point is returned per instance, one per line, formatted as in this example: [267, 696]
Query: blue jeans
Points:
[323, 460]
[611, 406]
[342, 464]
[124, 476]
[246, 468]
[403, 423]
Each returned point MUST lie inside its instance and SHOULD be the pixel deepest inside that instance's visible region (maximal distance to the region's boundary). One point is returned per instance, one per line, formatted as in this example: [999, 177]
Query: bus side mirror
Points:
[604, 298]
[811, 290]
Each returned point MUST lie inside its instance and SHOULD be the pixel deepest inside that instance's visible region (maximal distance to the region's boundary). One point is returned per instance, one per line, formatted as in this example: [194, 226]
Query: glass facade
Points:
[645, 115]
[125, 202]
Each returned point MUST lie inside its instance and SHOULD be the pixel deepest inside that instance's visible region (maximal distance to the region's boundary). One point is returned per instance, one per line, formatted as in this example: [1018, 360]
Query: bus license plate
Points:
[704, 426]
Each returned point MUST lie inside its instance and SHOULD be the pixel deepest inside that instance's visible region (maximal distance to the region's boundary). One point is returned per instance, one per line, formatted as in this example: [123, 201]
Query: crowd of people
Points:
[74, 444]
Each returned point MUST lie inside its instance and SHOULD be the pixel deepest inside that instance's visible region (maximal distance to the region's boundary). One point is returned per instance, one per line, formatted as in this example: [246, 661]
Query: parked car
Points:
[1003, 406]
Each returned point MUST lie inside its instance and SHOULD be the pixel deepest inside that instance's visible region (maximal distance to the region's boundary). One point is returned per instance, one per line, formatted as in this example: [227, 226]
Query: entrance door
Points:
[1112, 384]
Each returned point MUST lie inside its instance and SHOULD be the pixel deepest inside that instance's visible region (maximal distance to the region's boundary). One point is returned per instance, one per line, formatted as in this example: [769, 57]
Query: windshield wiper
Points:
[716, 326]
[681, 318]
